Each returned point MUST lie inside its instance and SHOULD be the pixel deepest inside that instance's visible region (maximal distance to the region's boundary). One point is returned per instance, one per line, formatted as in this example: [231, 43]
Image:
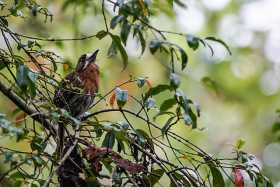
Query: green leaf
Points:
[183, 100]
[34, 10]
[109, 140]
[117, 41]
[38, 161]
[184, 58]
[26, 79]
[4, 21]
[167, 125]
[188, 120]
[150, 103]
[180, 178]
[156, 90]
[141, 82]
[170, 2]
[175, 80]
[92, 181]
[38, 143]
[101, 34]
[276, 127]
[30, 43]
[154, 46]
[239, 144]
[112, 51]
[218, 180]
[125, 31]
[17, 175]
[211, 84]
[167, 104]
[22, 76]
[121, 97]
[16, 183]
[143, 136]
[34, 185]
[180, 3]
[219, 41]
[115, 20]
[155, 176]
[193, 117]
[2, 65]
[8, 128]
[121, 146]
[142, 41]
[117, 178]
[192, 41]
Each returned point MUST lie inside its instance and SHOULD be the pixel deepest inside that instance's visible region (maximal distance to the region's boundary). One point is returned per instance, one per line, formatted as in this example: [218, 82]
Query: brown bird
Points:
[77, 91]
[75, 94]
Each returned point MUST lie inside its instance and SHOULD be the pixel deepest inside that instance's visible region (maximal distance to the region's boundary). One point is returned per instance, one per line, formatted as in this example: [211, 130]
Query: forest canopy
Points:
[134, 119]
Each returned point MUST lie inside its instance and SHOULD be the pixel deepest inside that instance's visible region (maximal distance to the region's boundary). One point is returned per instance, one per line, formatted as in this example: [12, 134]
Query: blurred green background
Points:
[238, 98]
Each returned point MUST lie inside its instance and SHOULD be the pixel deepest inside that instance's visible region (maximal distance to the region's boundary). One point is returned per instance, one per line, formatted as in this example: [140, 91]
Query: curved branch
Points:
[35, 115]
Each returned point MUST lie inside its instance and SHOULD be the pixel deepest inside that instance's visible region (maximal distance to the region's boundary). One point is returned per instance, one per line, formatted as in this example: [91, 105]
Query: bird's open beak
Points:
[92, 57]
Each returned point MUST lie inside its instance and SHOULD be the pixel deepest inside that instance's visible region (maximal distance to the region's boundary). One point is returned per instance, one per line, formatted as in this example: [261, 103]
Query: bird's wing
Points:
[69, 88]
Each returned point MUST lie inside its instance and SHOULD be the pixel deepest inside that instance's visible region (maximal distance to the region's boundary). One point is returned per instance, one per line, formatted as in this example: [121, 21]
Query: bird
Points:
[77, 90]
[75, 94]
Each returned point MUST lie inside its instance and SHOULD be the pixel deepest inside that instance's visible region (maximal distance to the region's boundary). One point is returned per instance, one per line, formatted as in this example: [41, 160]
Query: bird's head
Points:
[87, 61]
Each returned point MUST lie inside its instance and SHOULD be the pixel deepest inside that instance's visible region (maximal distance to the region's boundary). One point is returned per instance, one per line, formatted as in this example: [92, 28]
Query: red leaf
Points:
[95, 154]
[238, 178]
[129, 166]
[149, 83]
[112, 99]
[20, 118]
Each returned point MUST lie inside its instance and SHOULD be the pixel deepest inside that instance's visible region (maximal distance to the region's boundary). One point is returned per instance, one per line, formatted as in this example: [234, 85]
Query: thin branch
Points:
[104, 16]
[50, 39]
[66, 155]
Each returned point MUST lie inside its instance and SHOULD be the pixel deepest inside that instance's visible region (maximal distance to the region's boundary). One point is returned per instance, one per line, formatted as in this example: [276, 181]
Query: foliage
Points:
[130, 155]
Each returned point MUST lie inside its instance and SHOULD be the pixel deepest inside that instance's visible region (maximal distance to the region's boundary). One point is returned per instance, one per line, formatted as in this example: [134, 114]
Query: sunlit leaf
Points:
[239, 144]
[157, 89]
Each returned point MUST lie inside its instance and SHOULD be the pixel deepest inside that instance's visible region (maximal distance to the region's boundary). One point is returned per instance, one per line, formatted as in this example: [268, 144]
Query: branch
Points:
[66, 155]
[35, 115]
[50, 39]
